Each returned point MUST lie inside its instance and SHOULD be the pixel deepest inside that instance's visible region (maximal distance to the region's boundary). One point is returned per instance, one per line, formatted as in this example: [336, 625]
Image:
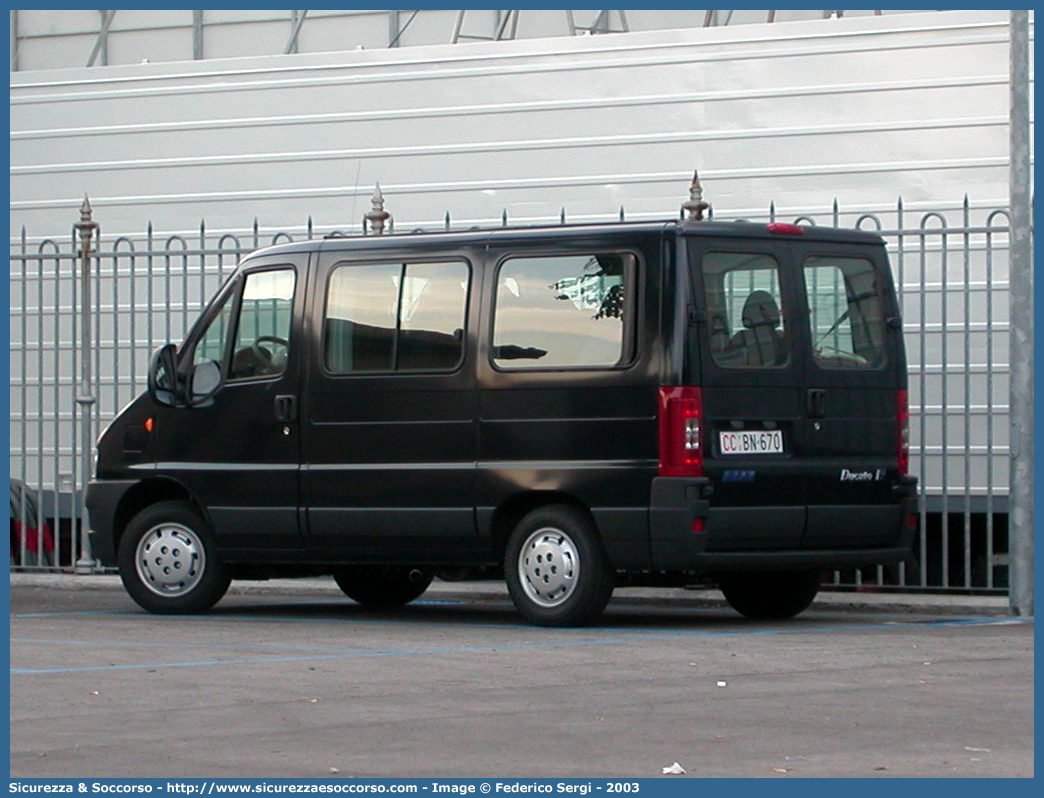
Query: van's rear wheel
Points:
[770, 596]
[168, 561]
[383, 588]
[557, 572]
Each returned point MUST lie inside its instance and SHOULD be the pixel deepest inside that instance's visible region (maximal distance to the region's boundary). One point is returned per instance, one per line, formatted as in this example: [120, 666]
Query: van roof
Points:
[551, 233]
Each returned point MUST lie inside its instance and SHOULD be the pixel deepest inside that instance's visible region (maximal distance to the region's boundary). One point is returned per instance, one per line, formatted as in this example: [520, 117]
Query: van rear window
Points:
[844, 300]
[744, 306]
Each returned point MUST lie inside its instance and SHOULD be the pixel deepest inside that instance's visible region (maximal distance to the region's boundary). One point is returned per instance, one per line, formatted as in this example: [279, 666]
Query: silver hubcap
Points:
[170, 560]
[548, 567]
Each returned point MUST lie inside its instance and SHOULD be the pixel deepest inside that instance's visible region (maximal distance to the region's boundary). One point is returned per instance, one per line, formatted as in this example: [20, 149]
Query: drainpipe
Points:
[1020, 513]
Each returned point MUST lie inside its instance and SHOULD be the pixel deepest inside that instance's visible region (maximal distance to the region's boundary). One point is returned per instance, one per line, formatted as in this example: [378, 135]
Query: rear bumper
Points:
[687, 533]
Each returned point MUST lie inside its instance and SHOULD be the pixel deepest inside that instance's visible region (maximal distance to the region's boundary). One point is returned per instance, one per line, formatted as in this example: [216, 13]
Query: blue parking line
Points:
[618, 636]
[220, 616]
[376, 653]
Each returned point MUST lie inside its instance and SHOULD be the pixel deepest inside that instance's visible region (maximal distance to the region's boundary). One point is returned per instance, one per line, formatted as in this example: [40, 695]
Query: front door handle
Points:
[286, 408]
[817, 400]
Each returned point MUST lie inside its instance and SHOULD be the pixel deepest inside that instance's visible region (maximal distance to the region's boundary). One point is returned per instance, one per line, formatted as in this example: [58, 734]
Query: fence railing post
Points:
[85, 398]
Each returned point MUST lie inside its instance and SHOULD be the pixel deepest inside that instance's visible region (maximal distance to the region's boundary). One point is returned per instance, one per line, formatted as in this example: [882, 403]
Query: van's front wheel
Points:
[770, 596]
[168, 562]
[557, 572]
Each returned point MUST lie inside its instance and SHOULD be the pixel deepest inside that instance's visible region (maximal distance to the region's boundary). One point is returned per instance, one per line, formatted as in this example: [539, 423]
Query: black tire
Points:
[168, 560]
[770, 596]
[557, 572]
[383, 588]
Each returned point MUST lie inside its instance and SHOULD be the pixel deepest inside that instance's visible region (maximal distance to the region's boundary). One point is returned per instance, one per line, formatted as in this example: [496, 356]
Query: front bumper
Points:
[103, 500]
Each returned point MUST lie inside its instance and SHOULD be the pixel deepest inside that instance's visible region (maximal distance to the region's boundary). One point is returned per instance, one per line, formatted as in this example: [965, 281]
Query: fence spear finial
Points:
[695, 206]
[86, 225]
[377, 216]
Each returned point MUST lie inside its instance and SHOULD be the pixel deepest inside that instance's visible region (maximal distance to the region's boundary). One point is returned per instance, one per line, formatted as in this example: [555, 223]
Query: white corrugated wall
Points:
[862, 109]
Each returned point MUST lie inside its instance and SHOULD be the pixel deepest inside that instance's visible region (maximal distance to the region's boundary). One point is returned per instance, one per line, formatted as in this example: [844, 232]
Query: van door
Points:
[389, 452]
[238, 453]
[851, 388]
[568, 391]
[753, 392]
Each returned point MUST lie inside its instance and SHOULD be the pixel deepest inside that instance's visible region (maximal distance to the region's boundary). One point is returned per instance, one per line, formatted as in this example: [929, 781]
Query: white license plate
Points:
[769, 441]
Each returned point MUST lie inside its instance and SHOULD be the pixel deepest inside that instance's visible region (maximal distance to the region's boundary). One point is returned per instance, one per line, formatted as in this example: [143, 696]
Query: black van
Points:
[571, 407]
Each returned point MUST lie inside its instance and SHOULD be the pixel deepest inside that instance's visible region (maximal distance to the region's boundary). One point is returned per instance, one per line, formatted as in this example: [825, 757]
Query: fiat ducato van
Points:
[568, 408]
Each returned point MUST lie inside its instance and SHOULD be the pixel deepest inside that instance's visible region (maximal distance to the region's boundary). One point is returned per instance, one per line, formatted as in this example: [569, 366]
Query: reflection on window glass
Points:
[744, 309]
[562, 311]
[846, 314]
[211, 345]
[395, 317]
[263, 330]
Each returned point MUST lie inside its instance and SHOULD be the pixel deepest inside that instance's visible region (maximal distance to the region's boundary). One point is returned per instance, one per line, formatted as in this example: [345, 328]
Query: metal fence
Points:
[951, 268]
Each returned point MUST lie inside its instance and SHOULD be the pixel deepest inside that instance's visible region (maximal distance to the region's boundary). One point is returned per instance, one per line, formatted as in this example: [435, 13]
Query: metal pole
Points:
[14, 40]
[85, 398]
[197, 35]
[298, 18]
[101, 44]
[1020, 513]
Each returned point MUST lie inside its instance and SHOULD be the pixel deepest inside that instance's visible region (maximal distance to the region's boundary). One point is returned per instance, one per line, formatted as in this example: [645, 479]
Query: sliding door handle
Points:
[286, 408]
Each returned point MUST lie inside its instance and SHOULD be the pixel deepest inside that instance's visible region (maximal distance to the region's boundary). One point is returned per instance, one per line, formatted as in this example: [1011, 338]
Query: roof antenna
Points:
[695, 205]
[377, 216]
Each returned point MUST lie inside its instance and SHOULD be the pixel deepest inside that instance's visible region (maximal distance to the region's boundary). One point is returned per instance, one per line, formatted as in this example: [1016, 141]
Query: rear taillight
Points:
[902, 414]
[681, 432]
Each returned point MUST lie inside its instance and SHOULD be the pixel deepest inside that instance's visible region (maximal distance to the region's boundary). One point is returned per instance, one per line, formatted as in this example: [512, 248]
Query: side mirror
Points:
[204, 382]
[163, 376]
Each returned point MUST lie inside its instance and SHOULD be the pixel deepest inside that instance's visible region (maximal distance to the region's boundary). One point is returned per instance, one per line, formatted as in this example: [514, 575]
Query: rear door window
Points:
[745, 310]
[846, 316]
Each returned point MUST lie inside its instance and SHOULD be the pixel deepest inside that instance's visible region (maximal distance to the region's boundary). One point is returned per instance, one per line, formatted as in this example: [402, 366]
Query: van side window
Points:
[744, 310]
[383, 317]
[847, 319]
[563, 311]
[263, 328]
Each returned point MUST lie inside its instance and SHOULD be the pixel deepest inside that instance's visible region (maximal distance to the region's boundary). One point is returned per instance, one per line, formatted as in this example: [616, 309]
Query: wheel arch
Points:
[145, 494]
[510, 512]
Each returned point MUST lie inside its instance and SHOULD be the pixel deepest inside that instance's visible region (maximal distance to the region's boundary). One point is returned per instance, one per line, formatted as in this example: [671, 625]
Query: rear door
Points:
[753, 382]
[851, 383]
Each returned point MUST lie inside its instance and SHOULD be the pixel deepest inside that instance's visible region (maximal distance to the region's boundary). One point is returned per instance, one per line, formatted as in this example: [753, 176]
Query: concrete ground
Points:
[290, 679]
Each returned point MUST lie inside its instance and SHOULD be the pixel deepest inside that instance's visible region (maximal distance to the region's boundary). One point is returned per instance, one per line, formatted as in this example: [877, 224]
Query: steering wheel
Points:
[264, 356]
